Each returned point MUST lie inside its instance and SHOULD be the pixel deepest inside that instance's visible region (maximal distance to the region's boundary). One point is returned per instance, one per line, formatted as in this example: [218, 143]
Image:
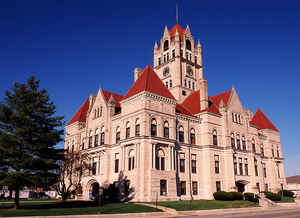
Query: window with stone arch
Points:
[188, 45]
[90, 139]
[192, 136]
[181, 134]
[238, 142]
[160, 160]
[253, 146]
[166, 129]
[102, 136]
[131, 160]
[96, 138]
[232, 140]
[153, 127]
[137, 127]
[118, 133]
[244, 143]
[215, 137]
[166, 45]
[127, 129]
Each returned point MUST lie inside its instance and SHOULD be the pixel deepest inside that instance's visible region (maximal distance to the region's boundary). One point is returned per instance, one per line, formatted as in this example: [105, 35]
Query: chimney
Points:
[137, 73]
[203, 94]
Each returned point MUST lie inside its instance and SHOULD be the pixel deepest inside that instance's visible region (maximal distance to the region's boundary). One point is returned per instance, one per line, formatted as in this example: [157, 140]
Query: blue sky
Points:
[76, 46]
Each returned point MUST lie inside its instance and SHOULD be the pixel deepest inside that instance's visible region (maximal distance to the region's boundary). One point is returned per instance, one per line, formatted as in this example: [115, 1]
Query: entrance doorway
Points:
[241, 185]
[94, 191]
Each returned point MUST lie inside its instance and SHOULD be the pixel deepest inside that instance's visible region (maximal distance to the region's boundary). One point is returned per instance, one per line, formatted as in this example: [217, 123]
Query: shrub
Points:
[228, 196]
[251, 197]
[286, 193]
[273, 196]
[236, 196]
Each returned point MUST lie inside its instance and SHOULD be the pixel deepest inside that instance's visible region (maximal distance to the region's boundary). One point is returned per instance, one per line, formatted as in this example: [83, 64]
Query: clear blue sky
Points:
[76, 46]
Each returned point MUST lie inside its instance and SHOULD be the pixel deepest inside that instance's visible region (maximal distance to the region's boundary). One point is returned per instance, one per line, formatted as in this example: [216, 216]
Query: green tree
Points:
[29, 131]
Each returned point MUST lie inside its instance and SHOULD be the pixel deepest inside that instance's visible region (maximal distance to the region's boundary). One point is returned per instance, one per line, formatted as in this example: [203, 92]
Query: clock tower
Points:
[178, 61]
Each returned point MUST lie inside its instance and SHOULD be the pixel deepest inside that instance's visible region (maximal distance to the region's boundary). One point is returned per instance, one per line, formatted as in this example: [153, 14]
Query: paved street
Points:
[284, 213]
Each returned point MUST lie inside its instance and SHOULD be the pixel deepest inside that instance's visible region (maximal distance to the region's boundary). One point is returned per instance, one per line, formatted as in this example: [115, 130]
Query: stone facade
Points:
[170, 139]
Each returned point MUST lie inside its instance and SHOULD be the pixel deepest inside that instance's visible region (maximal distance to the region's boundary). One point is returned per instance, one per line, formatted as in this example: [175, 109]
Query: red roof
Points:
[181, 109]
[293, 179]
[223, 96]
[150, 82]
[81, 113]
[262, 122]
[192, 103]
[179, 29]
[117, 97]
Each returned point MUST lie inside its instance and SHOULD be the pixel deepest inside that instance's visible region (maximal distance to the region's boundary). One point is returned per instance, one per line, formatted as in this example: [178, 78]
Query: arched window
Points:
[102, 136]
[131, 160]
[128, 129]
[166, 129]
[153, 127]
[192, 137]
[181, 134]
[188, 45]
[97, 137]
[215, 137]
[166, 45]
[137, 127]
[118, 135]
[253, 146]
[232, 141]
[90, 139]
[262, 151]
[238, 142]
[160, 160]
[244, 143]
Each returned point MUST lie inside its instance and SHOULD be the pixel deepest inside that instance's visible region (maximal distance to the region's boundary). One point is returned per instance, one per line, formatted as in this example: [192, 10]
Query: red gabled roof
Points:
[261, 121]
[117, 97]
[181, 109]
[179, 29]
[221, 97]
[81, 113]
[192, 103]
[149, 81]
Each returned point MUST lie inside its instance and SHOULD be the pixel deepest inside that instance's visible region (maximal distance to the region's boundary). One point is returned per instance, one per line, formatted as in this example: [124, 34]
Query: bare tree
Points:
[72, 168]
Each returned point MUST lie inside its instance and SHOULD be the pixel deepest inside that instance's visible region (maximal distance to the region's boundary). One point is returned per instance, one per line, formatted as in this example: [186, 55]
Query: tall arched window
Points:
[181, 134]
[232, 141]
[137, 127]
[91, 139]
[253, 146]
[131, 160]
[153, 127]
[160, 160]
[262, 151]
[238, 142]
[166, 129]
[102, 139]
[97, 138]
[215, 137]
[118, 135]
[128, 129]
[244, 143]
[188, 45]
[192, 137]
[166, 45]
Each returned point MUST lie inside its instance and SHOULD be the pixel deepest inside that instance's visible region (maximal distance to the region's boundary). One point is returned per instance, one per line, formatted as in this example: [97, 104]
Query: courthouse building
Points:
[169, 138]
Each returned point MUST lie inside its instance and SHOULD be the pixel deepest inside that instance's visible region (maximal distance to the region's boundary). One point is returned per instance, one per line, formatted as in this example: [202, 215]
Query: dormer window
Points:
[166, 45]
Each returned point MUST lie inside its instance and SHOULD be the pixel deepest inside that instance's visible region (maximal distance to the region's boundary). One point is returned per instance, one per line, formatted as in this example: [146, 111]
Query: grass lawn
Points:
[205, 204]
[52, 208]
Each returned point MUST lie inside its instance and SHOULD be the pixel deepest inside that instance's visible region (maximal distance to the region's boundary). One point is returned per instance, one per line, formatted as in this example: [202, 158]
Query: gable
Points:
[81, 114]
[262, 121]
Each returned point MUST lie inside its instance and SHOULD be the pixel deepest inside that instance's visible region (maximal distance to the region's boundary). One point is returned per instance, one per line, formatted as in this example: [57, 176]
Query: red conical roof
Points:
[262, 122]
[150, 82]
[81, 113]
